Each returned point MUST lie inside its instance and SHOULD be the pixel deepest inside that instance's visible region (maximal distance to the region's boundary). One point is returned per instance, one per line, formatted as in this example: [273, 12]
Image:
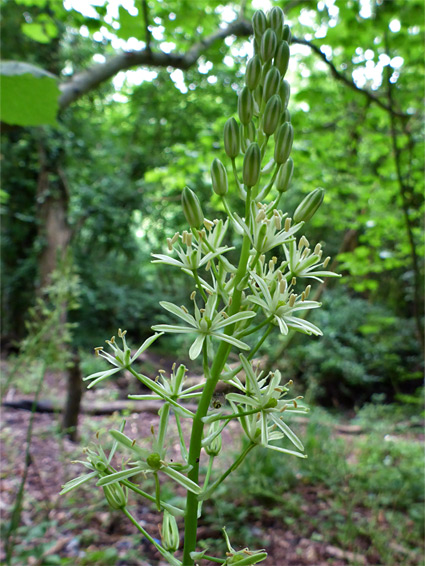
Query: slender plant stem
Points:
[231, 469]
[223, 351]
[17, 509]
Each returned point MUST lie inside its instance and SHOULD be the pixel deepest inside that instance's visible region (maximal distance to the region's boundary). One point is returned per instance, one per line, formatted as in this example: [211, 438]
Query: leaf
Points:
[130, 26]
[30, 95]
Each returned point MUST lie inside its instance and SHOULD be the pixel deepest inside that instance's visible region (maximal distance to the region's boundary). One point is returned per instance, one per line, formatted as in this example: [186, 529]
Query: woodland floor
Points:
[79, 528]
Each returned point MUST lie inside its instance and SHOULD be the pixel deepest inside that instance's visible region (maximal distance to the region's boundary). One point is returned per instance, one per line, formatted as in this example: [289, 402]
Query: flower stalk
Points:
[231, 303]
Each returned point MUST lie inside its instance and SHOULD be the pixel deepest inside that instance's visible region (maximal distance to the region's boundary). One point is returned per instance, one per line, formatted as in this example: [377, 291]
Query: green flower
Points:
[121, 358]
[264, 399]
[267, 232]
[197, 254]
[206, 323]
[282, 304]
[302, 262]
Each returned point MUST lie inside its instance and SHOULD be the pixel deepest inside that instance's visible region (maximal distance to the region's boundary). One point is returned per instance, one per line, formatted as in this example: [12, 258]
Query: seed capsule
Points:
[170, 537]
[281, 59]
[284, 92]
[284, 176]
[268, 45]
[251, 165]
[276, 19]
[232, 144]
[309, 205]
[272, 114]
[115, 495]
[192, 208]
[284, 139]
[219, 178]
[271, 83]
[259, 23]
[253, 73]
[245, 106]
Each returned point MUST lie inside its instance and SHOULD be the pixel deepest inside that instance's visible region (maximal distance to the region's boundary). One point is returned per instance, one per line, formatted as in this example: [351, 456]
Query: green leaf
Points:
[30, 95]
[130, 26]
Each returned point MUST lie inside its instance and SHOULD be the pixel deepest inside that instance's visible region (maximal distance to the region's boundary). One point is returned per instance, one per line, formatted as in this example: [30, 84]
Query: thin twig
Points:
[348, 82]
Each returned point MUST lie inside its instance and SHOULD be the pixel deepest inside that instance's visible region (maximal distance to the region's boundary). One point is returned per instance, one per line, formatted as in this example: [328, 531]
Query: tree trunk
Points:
[73, 399]
[56, 234]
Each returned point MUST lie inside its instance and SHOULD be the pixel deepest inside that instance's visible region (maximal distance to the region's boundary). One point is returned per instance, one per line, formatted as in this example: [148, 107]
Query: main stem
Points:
[191, 513]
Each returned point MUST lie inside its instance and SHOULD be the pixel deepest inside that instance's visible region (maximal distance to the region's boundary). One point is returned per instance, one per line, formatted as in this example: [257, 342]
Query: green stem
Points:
[150, 497]
[252, 330]
[199, 285]
[223, 351]
[231, 469]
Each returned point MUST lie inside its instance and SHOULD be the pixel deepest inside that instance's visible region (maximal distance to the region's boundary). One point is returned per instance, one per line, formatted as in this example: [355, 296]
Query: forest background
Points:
[110, 108]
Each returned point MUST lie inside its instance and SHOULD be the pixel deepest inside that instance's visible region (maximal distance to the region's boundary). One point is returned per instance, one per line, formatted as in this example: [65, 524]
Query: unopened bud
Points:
[281, 59]
[253, 73]
[251, 165]
[192, 208]
[308, 206]
[284, 92]
[232, 142]
[170, 537]
[272, 114]
[268, 45]
[219, 178]
[259, 23]
[271, 83]
[286, 33]
[276, 20]
[284, 139]
[245, 106]
[284, 176]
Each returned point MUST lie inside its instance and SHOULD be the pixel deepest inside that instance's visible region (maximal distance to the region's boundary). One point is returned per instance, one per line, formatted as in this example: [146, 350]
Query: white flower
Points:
[205, 324]
[282, 304]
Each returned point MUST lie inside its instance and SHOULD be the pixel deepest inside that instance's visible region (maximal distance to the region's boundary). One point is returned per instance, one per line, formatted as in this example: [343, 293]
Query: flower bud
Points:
[276, 19]
[308, 206]
[251, 165]
[115, 495]
[170, 537]
[245, 106]
[284, 176]
[284, 139]
[253, 73]
[271, 83]
[271, 115]
[259, 23]
[232, 144]
[219, 177]
[281, 59]
[286, 33]
[284, 92]
[192, 208]
[268, 45]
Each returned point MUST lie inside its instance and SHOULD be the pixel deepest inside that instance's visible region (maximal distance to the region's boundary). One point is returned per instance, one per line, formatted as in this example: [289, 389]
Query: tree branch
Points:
[348, 82]
[147, 30]
[83, 82]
